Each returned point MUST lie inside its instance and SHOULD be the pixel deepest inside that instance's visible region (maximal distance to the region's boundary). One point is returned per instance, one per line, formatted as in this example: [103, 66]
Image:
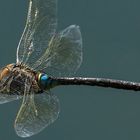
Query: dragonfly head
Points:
[5, 72]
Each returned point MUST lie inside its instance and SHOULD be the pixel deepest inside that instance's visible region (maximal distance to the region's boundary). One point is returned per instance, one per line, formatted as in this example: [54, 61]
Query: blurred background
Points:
[111, 47]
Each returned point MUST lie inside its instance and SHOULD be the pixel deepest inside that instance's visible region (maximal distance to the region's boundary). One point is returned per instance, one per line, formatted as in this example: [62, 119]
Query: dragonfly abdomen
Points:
[44, 81]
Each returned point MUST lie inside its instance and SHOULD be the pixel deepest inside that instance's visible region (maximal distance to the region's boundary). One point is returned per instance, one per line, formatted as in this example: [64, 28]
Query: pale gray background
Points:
[111, 35]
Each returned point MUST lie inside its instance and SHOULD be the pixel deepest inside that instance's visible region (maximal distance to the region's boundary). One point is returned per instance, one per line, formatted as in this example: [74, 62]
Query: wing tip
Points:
[74, 26]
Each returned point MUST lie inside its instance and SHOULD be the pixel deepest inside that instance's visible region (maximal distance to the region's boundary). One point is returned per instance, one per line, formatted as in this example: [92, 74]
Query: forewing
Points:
[40, 27]
[64, 54]
[36, 113]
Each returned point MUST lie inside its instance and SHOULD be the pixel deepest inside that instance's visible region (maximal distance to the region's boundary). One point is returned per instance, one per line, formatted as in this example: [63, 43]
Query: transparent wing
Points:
[8, 92]
[8, 98]
[64, 54]
[36, 113]
[40, 27]
[5, 98]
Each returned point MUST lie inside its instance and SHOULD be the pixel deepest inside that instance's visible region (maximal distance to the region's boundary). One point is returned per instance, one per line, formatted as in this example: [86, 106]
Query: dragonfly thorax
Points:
[6, 71]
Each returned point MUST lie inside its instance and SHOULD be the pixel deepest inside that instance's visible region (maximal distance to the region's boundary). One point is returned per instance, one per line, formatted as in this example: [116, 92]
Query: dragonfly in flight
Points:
[43, 56]
[42, 53]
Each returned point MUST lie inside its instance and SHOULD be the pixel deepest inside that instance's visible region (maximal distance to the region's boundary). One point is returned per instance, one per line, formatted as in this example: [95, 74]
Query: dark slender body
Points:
[101, 82]
[13, 77]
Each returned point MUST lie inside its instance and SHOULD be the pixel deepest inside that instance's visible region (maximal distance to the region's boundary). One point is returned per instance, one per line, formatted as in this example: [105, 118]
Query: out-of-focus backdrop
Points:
[111, 47]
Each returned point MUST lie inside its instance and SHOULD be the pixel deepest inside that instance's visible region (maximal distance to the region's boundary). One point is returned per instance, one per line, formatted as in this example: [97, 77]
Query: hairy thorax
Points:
[15, 79]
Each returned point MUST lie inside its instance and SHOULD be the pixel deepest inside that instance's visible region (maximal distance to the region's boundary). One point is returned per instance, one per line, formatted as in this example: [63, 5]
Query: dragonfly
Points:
[42, 53]
[43, 57]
